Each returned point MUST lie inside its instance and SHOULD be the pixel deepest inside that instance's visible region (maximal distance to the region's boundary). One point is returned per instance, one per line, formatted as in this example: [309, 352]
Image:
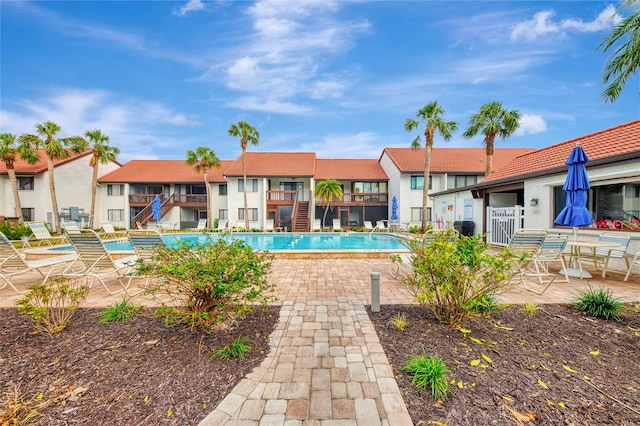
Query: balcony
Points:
[193, 200]
[362, 199]
[282, 197]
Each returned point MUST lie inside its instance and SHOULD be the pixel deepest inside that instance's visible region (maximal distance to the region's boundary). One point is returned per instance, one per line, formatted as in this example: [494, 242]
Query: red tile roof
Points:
[163, 171]
[40, 166]
[451, 160]
[606, 145]
[350, 169]
[264, 164]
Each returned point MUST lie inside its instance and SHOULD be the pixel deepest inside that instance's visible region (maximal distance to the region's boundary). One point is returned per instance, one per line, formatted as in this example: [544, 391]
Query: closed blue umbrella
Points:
[155, 208]
[394, 208]
[576, 186]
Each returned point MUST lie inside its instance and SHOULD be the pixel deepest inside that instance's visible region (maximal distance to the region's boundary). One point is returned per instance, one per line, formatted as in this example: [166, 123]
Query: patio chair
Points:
[552, 250]
[222, 226]
[381, 226]
[600, 256]
[70, 226]
[316, 225]
[108, 230]
[144, 243]
[95, 261]
[269, 225]
[336, 225]
[201, 226]
[526, 244]
[633, 262]
[13, 263]
[41, 234]
[368, 225]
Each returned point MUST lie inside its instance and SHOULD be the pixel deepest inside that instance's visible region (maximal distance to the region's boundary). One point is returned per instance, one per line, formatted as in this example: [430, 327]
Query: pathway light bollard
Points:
[375, 292]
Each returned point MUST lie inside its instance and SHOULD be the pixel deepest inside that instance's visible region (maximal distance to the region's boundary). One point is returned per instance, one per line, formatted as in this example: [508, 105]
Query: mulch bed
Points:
[558, 367]
[140, 372]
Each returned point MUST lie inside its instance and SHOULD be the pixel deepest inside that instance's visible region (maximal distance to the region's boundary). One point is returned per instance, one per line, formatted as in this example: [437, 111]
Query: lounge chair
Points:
[222, 226]
[70, 226]
[202, 225]
[41, 234]
[368, 225]
[13, 263]
[268, 225]
[316, 225]
[95, 261]
[336, 225]
[381, 226]
[526, 244]
[144, 243]
[552, 250]
[108, 230]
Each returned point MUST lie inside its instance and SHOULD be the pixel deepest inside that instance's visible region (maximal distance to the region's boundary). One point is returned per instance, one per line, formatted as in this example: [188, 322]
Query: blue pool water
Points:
[283, 241]
[277, 241]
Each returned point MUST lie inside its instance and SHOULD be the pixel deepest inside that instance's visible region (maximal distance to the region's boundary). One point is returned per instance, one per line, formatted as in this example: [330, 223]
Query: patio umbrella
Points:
[155, 208]
[576, 185]
[394, 208]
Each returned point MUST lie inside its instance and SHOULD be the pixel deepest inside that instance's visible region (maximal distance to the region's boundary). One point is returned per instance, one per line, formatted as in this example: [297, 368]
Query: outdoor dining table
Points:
[576, 253]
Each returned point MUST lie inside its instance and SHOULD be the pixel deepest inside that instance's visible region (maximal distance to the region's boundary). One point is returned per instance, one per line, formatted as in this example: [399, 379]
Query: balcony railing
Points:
[179, 199]
[282, 197]
[362, 198]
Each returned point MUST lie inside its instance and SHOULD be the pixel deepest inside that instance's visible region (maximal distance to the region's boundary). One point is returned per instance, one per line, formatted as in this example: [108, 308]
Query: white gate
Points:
[502, 222]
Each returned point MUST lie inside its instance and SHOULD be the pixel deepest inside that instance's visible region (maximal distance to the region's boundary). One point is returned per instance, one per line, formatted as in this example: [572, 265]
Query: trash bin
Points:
[464, 227]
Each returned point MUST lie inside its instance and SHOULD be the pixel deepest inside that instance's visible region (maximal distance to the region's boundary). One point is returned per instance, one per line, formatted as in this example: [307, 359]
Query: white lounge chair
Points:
[202, 225]
[222, 225]
[70, 226]
[13, 263]
[108, 230]
[368, 225]
[633, 262]
[526, 243]
[268, 225]
[316, 225]
[336, 225]
[552, 250]
[41, 234]
[95, 261]
[381, 226]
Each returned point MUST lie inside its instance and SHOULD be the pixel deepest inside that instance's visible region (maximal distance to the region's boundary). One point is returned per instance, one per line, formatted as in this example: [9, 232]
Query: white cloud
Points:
[530, 124]
[358, 145]
[191, 6]
[542, 24]
[250, 103]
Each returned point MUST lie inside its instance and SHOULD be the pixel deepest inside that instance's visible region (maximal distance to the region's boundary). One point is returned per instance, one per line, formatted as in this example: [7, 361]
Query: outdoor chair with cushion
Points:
[600, 256]
[13, 263]
[269, 225]
[95, 261]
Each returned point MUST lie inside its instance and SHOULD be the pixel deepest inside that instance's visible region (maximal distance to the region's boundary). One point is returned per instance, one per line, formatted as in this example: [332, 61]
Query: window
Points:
[28, 214]
[369, 187]
[417, 182]
[253, 214]
[115, 189]
[222, 189]
[416, 214]
[223, 214]
[116, 215]
[460, 181]
[612, 206]
[252, 185]
[25, 183]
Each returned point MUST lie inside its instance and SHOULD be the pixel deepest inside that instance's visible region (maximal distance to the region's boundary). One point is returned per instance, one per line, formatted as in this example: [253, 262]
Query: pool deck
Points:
[326, 365]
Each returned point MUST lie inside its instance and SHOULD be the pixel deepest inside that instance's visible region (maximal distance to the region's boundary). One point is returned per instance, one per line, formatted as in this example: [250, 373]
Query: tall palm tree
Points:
[55, 148]
[203, 159]
[328, 190]
[492, 119]
[102, 153]
[431, 115]
[625, 60]
[9, 153]
[248, 134]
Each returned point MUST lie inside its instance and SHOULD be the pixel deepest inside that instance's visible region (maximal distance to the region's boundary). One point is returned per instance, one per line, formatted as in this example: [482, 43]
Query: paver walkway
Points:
[326, 366]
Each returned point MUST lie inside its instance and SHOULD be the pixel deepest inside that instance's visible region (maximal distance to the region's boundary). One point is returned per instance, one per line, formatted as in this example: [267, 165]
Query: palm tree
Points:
[625, 60]
[202, 159]
[328, 190]
[55, 148]
[102, 153]
[431, 115]
[247, 133]
[492, 119]
[9, 153]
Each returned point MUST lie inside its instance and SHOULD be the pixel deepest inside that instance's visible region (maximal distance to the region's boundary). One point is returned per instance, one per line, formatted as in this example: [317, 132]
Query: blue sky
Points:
[335, 77]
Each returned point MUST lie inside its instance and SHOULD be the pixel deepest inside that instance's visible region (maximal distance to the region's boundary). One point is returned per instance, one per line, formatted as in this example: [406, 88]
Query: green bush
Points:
[452, 275]
[14, 231]
[119, 311]
[599, 303]
[237, 349]
[52, 303]
[204, 284]
[487, 304]
[429, 371]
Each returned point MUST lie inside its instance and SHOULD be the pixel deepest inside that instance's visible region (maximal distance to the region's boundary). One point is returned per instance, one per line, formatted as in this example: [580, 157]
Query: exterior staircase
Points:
[302, 217]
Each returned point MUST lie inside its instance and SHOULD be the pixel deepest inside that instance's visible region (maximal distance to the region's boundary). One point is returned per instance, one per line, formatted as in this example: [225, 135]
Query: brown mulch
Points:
[558, 367]
[140, 372]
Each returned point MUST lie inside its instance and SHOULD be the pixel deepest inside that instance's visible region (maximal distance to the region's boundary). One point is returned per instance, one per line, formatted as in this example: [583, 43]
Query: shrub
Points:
[52, 303]
[14, 231]
[488, 303]
[237, 349]
[119, 311]
[428, 371]
[452, 275]
[530, 308]
[599, 303]
[205, 284]
[399, 321]
[15, 409]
